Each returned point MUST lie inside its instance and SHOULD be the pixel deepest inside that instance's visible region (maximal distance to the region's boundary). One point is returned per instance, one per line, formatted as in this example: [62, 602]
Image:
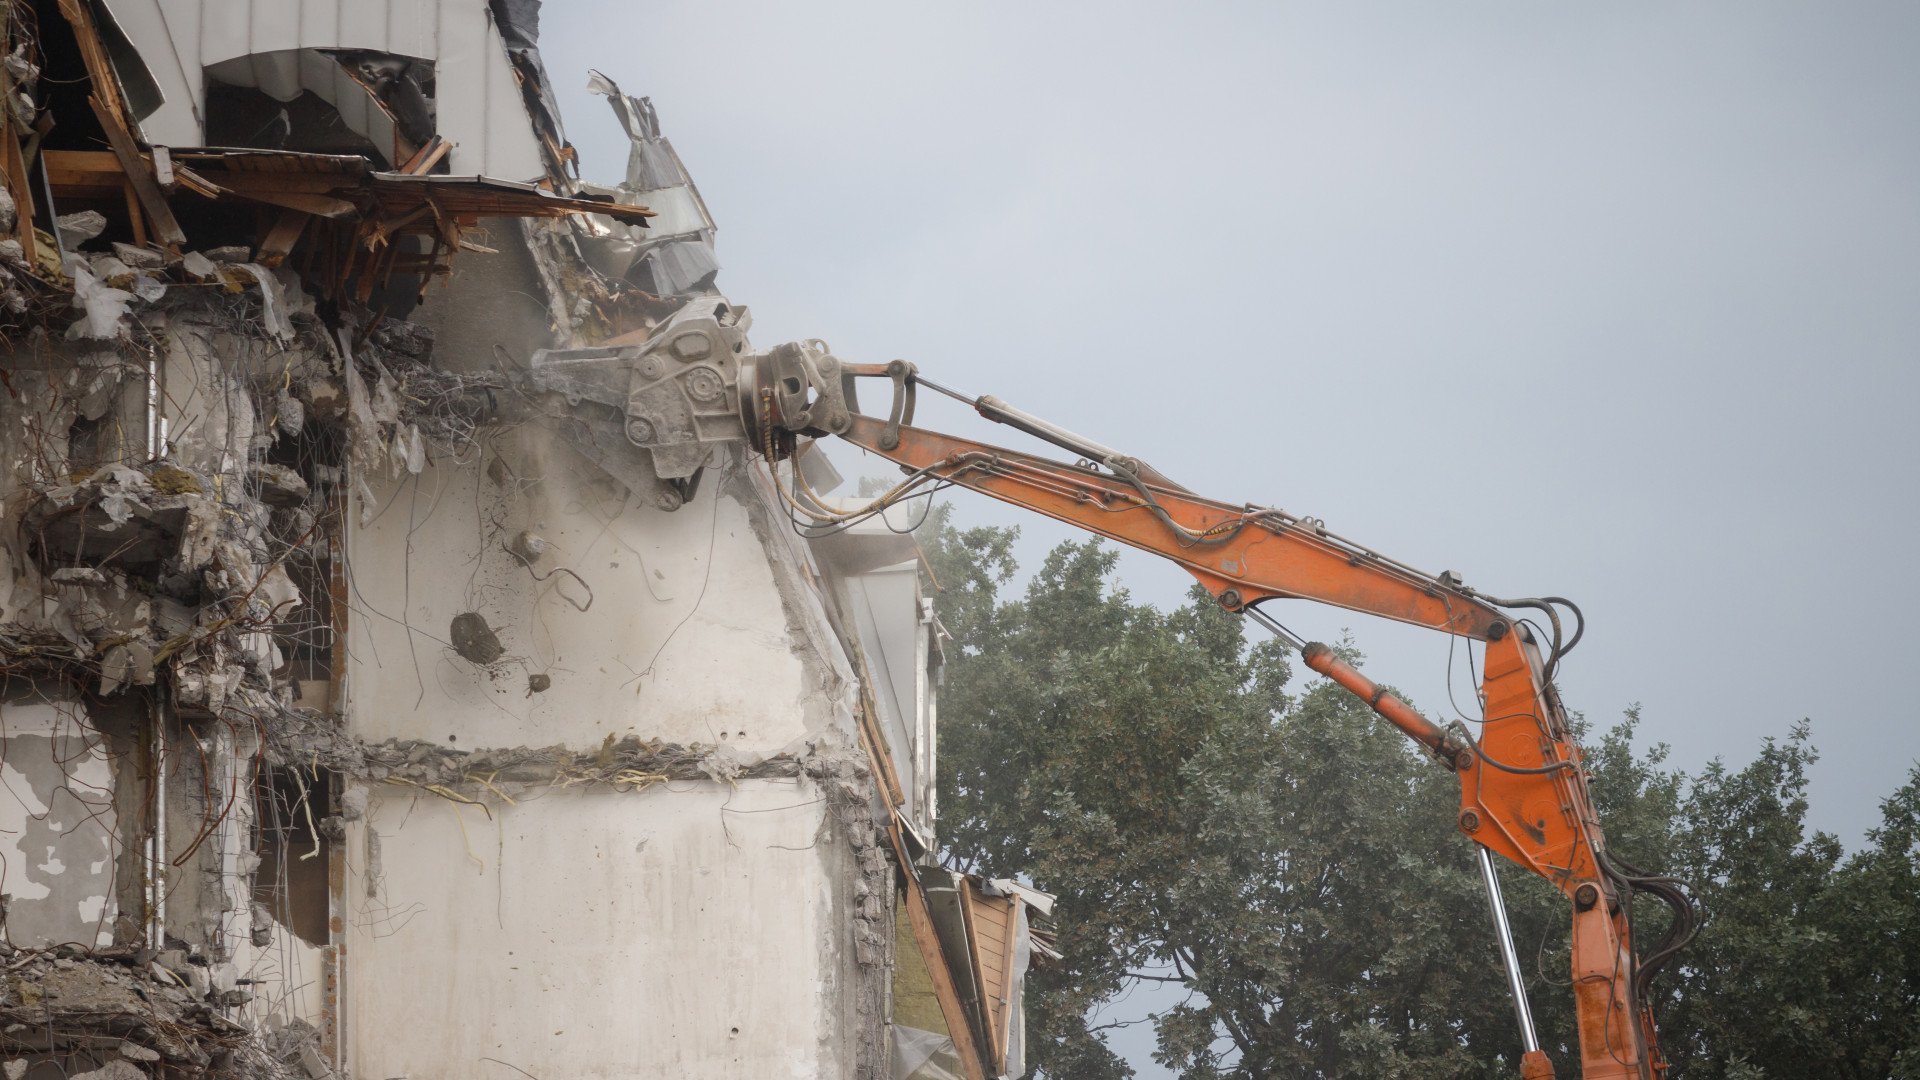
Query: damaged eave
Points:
[271, 176]
[342, 189]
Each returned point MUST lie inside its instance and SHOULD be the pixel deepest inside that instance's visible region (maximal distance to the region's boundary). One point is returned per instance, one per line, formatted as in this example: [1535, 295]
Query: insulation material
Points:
[918, 1038]
[924, 1055]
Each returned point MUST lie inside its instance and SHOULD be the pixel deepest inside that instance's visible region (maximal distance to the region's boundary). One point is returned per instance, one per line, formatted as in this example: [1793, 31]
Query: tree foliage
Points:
[1291, 865]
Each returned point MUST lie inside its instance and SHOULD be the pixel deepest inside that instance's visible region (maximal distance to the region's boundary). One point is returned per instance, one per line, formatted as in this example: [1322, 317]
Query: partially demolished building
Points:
[371, 702]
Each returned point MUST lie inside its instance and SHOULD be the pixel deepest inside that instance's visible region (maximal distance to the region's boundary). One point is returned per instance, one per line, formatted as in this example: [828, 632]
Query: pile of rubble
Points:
[127, 1014]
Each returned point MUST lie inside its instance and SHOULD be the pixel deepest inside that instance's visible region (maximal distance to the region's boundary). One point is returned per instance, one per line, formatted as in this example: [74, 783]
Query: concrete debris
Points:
[87, 999]
[77, 229]
[280, 486]
[112, 1070]
[722, 765]
[527, 546]
[473, 639]
[622, 764]
[138, 257]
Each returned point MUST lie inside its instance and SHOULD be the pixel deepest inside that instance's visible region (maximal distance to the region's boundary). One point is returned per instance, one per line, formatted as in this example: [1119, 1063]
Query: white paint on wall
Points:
[686, 638]
[687, 930]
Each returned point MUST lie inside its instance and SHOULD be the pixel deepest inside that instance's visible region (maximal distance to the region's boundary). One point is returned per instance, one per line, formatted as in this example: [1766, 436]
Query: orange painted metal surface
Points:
[1523, 792]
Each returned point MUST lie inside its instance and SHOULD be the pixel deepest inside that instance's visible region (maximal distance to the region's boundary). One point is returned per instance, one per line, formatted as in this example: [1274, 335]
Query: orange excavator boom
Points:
[1523, 787]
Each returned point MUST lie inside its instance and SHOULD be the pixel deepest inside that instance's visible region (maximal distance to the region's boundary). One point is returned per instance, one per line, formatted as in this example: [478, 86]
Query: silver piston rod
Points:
[1503, 932]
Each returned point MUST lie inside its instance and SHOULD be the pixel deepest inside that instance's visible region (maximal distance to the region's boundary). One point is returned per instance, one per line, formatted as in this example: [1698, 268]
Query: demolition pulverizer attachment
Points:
[691, 387]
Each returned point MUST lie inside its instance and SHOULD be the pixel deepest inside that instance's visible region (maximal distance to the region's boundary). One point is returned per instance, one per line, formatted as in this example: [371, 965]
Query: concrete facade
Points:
[358, 718]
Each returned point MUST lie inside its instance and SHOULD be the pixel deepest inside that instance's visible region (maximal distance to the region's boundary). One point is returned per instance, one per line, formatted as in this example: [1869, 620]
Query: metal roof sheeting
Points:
[480, 107]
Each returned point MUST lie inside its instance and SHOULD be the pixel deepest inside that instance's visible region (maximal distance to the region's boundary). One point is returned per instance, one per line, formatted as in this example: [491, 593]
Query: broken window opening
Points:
[322, 101]
[292, 806]
[308, 525]
[63, 90]
[64, 84]
[243, 116]
[84, 444]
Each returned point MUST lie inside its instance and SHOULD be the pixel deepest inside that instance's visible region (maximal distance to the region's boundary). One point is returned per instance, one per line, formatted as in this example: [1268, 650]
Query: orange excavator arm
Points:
[1523, 788]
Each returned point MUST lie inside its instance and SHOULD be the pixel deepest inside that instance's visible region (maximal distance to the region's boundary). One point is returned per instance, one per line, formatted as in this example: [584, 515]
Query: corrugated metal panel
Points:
[480, 108]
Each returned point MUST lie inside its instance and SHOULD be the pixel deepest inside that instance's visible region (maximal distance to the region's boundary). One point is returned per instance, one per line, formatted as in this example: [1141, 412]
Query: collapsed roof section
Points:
[361, 148]
[397, 71]
[673, 254]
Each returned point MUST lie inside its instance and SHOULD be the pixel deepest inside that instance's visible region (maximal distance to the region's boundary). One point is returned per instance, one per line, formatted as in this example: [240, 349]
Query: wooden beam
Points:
[93, 52]
[165, 228]
[425, 158]
[288, 181]
[133, 212]
[317, 205]
[920, 915]
[22, 191]
[163, 168]
[992, 1022]
[279, 241]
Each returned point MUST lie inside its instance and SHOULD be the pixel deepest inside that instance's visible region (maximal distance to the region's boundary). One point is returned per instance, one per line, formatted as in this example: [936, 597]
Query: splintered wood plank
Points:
[93, 53]
[151, 197]
[959, 1026]
[279, 241]
[133, 213]
[16, 168]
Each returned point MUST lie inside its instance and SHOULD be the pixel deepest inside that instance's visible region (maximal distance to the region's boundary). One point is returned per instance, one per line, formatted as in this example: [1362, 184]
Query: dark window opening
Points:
[310, 538]
[321, 101]
[242, 116]
[84, 452]
[290, 804]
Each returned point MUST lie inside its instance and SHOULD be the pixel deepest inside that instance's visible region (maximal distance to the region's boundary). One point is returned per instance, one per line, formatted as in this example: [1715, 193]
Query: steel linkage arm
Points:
[1523, 790]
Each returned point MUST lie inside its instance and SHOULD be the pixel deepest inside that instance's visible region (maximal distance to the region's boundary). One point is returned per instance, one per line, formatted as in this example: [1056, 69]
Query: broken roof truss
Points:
[349, 223]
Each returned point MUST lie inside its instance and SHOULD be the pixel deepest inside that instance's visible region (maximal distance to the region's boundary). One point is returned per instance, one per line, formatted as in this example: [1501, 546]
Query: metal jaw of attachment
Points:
[671, 395]
[691, 387]
[801, 389]
[795, 389]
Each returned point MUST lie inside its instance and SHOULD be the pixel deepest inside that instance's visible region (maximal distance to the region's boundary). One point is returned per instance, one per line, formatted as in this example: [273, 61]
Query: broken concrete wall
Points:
[691, 929]
[350, 717]
[672, 626]
[519, 595]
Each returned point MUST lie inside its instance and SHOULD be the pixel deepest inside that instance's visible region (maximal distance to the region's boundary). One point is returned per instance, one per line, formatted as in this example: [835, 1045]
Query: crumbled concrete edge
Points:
[867, 885]
[128, 1012]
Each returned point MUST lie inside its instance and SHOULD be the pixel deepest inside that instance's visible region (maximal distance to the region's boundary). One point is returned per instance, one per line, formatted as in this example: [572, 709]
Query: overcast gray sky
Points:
[1619, 302]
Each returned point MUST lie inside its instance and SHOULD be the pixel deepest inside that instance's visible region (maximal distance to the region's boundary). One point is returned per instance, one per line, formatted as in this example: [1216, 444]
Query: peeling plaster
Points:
[57, 825]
